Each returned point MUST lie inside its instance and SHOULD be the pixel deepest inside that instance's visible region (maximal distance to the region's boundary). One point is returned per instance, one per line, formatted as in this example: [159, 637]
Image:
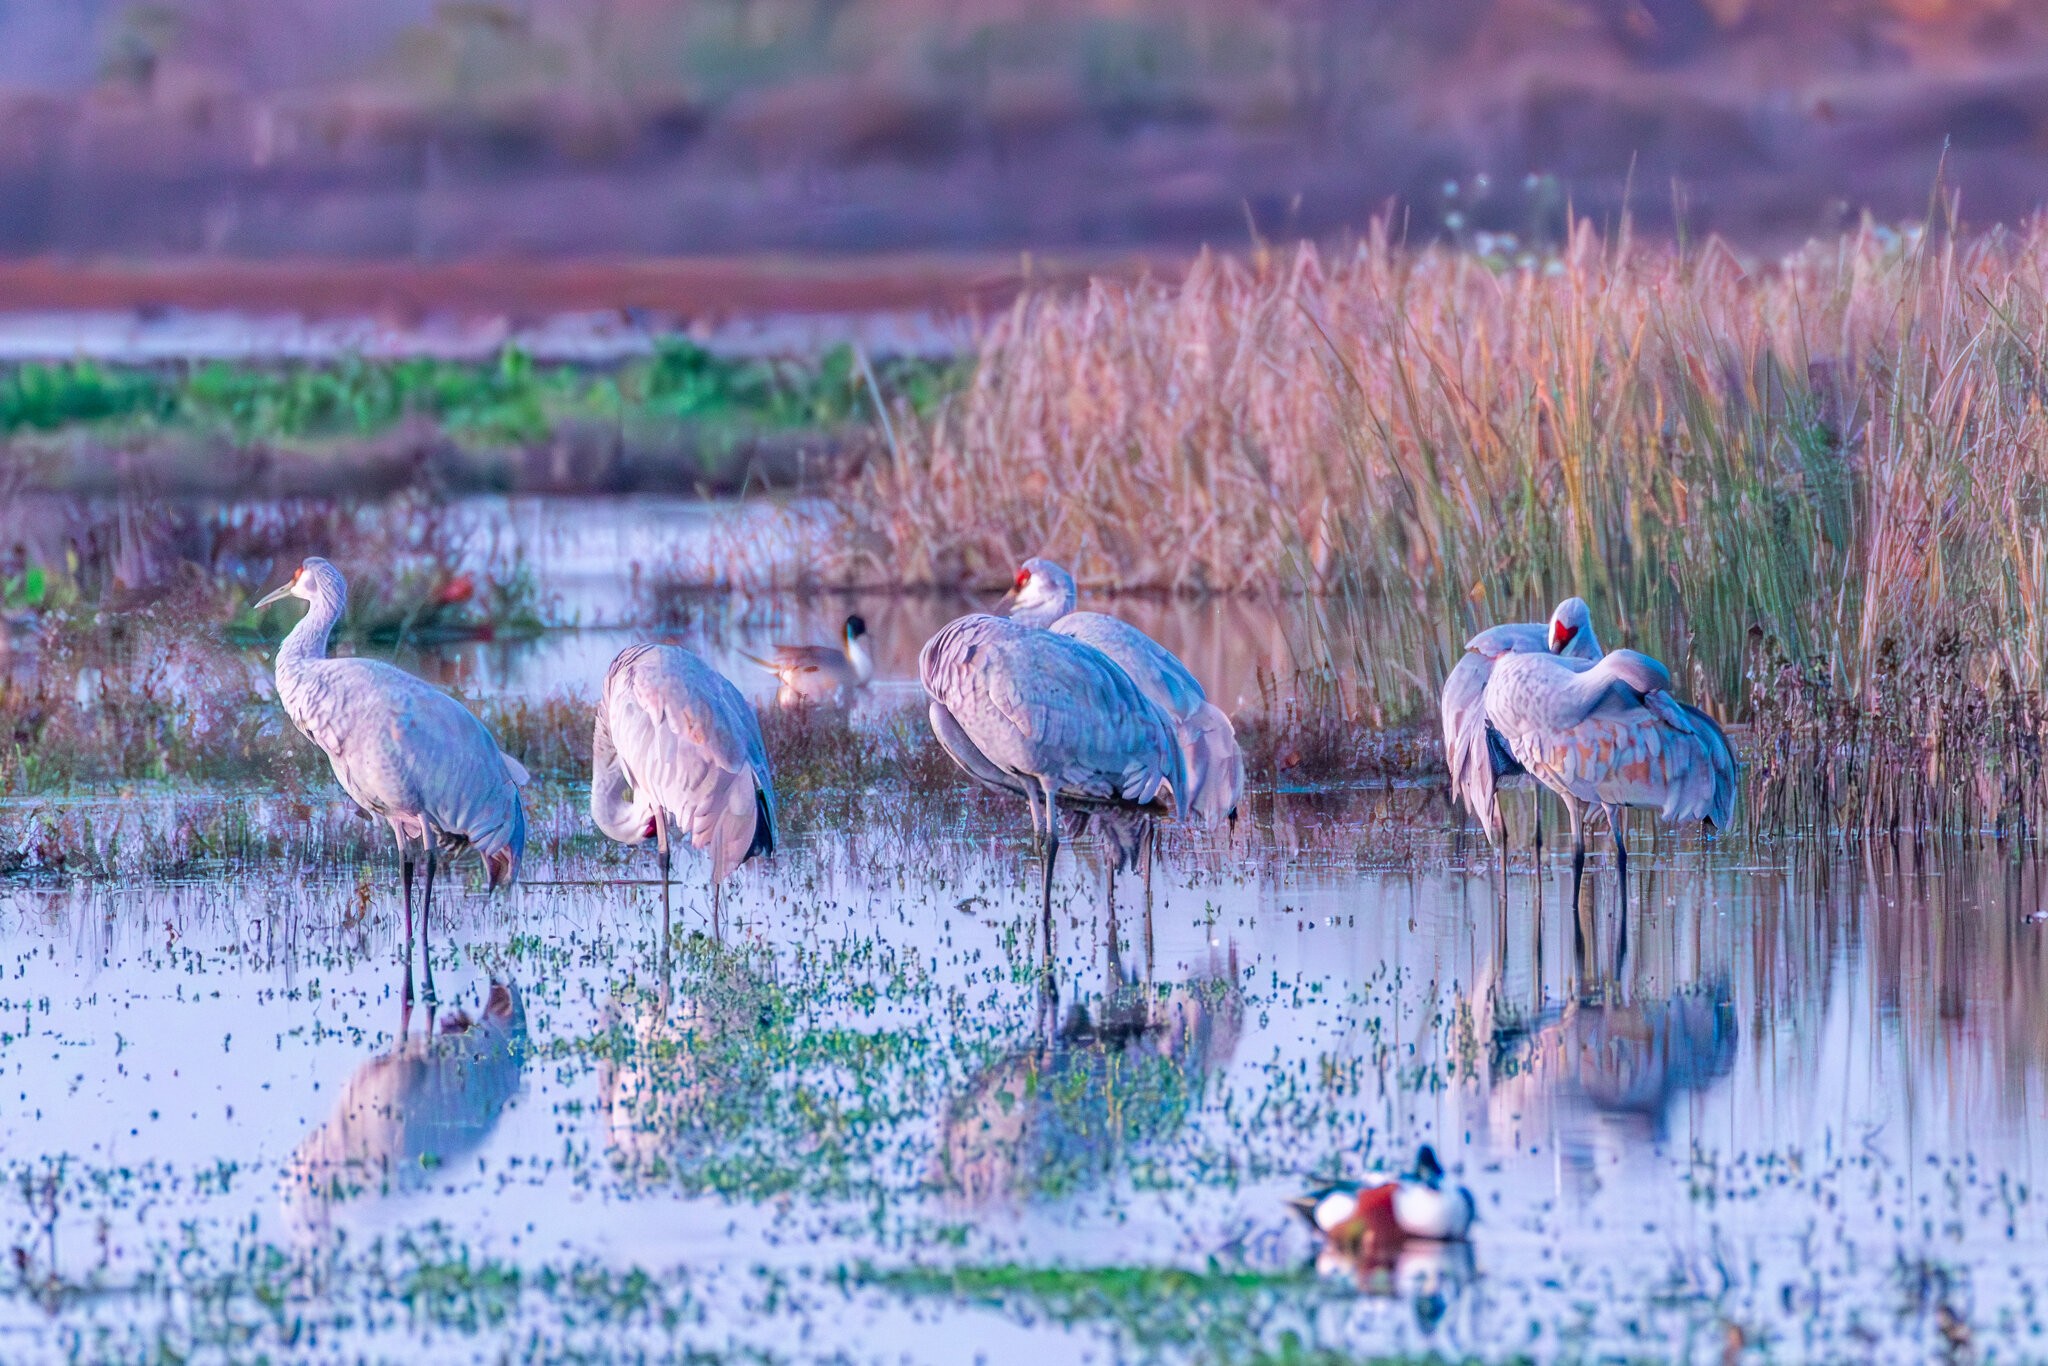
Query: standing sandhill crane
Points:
[1610, 734]
[815, 675]
[1053, 720]
[1479, 762]
[403, 750]
[1045, 596]
[676, 735]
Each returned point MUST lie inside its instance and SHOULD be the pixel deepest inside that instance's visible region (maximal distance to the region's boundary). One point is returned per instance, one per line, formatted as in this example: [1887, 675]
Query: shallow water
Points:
[593, 558]
[1804, 1099]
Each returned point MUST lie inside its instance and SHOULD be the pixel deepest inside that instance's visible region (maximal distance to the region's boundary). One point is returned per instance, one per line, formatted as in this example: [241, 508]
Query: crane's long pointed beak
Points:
[274, 595]
[1007, 603]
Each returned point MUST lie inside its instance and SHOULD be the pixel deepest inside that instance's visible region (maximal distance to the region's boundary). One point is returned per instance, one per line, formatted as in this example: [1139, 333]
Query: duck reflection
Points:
[407, 1115]
[1398, 1235]
[1428, 1276]
[1053, 1117]
[1599, 1071]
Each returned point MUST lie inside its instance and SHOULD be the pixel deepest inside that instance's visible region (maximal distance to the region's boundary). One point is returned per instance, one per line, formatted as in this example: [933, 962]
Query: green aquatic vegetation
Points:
[1216, 1314]
[679, 396]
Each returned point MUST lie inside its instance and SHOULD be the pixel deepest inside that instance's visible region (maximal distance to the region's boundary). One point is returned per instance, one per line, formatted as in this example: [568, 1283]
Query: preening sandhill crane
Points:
[1052, 720]
[403, 750]
[1479, 761]
[413, 1112]
[819, 675]
[1045, 596]
[675, 743]
[1610, 734]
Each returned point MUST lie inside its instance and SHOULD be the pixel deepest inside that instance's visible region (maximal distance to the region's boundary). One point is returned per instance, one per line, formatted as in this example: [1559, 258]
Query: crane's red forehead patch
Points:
[1023, 577]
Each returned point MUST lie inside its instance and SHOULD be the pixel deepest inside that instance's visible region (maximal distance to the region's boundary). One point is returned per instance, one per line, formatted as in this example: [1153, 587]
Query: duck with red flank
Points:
[1372, 1219]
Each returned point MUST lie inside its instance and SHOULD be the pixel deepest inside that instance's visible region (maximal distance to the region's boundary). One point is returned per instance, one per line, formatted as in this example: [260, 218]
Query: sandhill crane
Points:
[406, 1114]
[1052, 720]
[675, 742]
[1610, 734]
[1045, 595]
[1479, 762]
[402, 749]
[814, 675]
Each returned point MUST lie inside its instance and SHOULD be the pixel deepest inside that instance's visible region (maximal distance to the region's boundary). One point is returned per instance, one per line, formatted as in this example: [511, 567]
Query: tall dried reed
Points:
[1845, 449]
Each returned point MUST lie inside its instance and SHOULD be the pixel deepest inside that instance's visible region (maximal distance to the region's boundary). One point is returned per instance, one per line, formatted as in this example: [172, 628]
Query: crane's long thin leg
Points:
[1031, 801]
[405, 953]
[718, 911]
[427, 925]
[405, 879]
[1578, 873]
[661, 852]
[1500, 834]
[1114, 956]
[1151, 842]
[1539, 829]
[1616, 821]
[1052, 853]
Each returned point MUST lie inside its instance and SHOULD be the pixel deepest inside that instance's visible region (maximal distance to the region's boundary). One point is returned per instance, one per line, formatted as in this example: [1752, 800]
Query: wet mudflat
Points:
[1797, 1112]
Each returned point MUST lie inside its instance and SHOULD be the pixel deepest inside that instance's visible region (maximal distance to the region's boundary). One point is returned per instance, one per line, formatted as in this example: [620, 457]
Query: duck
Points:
[819, 675]
[1376, 1216]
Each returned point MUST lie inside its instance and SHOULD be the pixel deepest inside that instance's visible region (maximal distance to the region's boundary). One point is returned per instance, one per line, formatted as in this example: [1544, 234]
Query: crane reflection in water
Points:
[1053, 1116]
[407, 1117]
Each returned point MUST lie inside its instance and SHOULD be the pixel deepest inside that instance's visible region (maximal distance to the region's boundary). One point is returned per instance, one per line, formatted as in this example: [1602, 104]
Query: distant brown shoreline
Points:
[686, 287]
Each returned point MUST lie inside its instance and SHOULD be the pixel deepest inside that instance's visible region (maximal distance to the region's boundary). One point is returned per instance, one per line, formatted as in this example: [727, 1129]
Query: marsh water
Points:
[595, 560]
[1788, 1104]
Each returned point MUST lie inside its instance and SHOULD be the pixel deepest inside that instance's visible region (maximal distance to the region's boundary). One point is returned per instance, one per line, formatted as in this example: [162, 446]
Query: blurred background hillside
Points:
[432, 130]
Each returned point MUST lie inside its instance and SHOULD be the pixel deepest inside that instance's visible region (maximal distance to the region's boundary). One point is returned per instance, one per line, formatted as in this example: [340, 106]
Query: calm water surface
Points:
[1791, 1105]
[596, 559]
[1805, 1099]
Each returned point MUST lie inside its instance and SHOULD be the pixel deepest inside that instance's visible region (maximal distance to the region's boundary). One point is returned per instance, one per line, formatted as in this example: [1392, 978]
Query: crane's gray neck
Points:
[307, 641]
[614, 807]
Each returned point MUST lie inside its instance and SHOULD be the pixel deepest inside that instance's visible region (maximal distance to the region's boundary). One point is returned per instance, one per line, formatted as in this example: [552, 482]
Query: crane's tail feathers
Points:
[504, 850]
[1707, 791]
[736, 827]
[1214, 763]
[1725, 770]
[764, 827]
[520, 777]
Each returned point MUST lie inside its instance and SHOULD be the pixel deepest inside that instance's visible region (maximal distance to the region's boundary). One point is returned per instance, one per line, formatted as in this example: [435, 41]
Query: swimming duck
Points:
[820, 674]
[1375, 1216]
